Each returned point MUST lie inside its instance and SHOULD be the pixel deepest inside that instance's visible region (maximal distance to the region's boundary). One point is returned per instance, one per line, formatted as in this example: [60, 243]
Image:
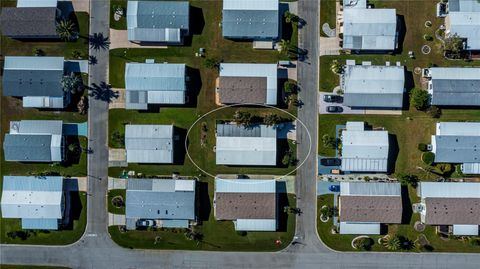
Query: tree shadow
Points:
[97, 41]
[103, 92]
[197, 24]
[204, 203]
[393, 150]
[407, 210]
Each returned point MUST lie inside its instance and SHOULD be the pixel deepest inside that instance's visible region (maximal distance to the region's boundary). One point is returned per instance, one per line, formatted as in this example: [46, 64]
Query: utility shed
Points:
[170, 202]
[151, 83]
[34, 141]
[158, 21]
[463, 6]
[370, 29]
[250, 203]
[241, 83]
[458, 142]
[239, 145]
[36, 3]
[364, 150]
[149, 143]
[467, 26]
[37, 79]
[371, 86]
[38, 201]
[364, 206]
[451, 203]
[250, 19]
[454, 86]
[29, 22]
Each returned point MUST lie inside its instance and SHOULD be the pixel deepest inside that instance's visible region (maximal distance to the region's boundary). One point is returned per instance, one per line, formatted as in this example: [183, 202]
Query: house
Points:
[372, 86]
[463, 6]
[169, 202]
[35, 141]
[364, 150]
[38, 80]
[240, 145]
[250, 19]
[31, 19]
[38, 201]
[457, 142]
[158, 21]
[151, 83]
[453, 86]
[365, 206]
[370, 29]
[467, 26]
[250, 203]
[452, 204]
[247, 84]
[149, 143]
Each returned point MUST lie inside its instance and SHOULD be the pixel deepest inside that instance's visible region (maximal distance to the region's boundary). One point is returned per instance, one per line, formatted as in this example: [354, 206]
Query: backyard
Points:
[405, 231]
[67, 235]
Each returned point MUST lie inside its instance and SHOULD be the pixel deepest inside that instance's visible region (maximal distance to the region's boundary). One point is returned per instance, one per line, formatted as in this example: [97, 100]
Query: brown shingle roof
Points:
[382, 209]
[449, 211]
[29, 22]
[238, 90]
[232, 206]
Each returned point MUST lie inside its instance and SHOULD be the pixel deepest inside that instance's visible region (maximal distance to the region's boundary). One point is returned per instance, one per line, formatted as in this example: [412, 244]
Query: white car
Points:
[145, 223]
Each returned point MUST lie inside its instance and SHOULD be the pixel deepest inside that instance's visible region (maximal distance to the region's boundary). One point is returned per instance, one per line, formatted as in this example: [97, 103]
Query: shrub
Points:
[272, 119]
[405, 180]
[428, 158]
[453, 46]
[364, 243]
[444, 168]
[427, 37]
[38, 52]
[328, 141]
[212, 63]
[290, 87]
[419, 98]
[434, 112]
[118, 139]
[422, 147]
[336, 67]
[458, 170]
[327, 211]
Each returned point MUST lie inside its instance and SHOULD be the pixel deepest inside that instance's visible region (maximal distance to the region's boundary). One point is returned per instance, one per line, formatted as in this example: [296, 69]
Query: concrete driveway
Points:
[325, 170]
[118, 102]
[116, 183]
[119, 39]
[322, 106]
[116, 219]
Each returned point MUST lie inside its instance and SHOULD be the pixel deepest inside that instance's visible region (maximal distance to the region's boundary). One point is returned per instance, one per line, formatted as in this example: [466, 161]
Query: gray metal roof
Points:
[455, 86]
[466, 25]
[33, 76]
[165, 202]
[457, 149]
[149, 143]
[29, 22]
[27, 148]
[33, 183]
[250, 24]
[464, 5]
[40, 127]
[157, 21]
[369, 29]
[40, 224]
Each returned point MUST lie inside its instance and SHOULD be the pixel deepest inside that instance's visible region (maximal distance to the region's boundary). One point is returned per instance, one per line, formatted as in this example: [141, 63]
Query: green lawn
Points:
[12, 47]
[327, 14]
[111, 195]
[217, 235]
[62, 237]
[343, 242]
[122, 23]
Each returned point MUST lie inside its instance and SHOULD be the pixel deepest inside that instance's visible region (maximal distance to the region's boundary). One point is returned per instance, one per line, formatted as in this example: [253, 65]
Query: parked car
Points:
[331, 98]
[145, 223]
[334, 188]
[334, 109]
[330, 162]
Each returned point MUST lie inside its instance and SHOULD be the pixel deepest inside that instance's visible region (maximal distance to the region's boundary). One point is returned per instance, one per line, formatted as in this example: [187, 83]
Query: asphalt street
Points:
[96, 250]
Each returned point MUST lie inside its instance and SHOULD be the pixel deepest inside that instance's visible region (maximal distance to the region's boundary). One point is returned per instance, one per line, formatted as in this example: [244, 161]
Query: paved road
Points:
[96, 250]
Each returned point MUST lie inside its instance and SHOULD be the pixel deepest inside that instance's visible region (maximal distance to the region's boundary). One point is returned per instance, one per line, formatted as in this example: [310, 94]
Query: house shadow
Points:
[73, 209]
[393, 150]
[286, 29]
[66, 7]
[402, 32]
[179, 151]
[283, 150]
[283, 77]
[204, 204]
[282, 202]
[72, 157]
[197, 23]
[407, 210]
[194, 85]
[409, 85]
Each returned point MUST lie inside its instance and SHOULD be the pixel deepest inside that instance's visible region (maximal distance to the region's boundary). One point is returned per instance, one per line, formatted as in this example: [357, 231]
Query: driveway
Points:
[322, 187]
[325, 170]
[322, 109]
[116, 219]
[116, 183]
[330, 46]
[119, 39]
[120, 101]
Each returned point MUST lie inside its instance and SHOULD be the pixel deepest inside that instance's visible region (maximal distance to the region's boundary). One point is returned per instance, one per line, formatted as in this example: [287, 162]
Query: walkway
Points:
[119, 39]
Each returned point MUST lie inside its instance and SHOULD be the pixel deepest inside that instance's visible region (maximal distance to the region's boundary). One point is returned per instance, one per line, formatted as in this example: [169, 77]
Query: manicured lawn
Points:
[12, 47]
[217, 235]
[327, 14]
[111, 207]
[343, 242]
[62, 237]
[122, 23]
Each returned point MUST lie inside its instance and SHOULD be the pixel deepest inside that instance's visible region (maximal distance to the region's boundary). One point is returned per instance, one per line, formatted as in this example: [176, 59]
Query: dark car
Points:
[330, 98]
[334, 109]
[334, 188]
[330, 162]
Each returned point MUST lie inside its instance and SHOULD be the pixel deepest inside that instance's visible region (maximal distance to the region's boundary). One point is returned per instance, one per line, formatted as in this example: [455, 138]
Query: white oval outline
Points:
[250, 104]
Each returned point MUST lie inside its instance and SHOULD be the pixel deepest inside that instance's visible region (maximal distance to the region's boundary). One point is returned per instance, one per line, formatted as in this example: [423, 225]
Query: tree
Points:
[428, 157]
[434, 112]
[71, 83]
[392, 242]
[285, 46]
[66, 30]
[76, 54]
[243, 118]
[38, 52]
[212, 63]
[82, 105]
[327, 211]
[364, 243]
[444, 168]
[118, 139]
[453, 46]
[419, 98]
[272, 119]
[290, 17]
[336, 67]
[328, 141]
[290, 87]
[406, 179]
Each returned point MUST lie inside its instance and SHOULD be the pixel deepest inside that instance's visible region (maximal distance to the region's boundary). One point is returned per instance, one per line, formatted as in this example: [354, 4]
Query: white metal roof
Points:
[466, 25]
[359, 228]
[250, 4]
[43, 102]
[364, 150]
[149, 143]
[270, 71]
[471, 168]
[255, 225]
[245, 185]
[36, 3]
[369, 189]
[33, 63]
[449, 190]
[455, 73]
[465, 229]
[246, 150]
[458, 128]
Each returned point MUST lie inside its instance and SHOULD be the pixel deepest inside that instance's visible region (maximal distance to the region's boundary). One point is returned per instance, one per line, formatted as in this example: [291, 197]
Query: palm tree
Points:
[336, 67]
[71, 83]
[392, 242]
[290, 17]
[66, 30]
